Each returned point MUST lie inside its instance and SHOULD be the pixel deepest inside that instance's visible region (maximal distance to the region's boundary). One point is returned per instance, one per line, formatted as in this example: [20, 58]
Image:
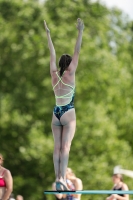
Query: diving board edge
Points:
[90, 192]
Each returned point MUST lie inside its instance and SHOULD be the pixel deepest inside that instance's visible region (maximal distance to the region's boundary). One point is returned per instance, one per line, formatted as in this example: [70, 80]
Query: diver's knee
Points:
[66, 148]
[57, 149]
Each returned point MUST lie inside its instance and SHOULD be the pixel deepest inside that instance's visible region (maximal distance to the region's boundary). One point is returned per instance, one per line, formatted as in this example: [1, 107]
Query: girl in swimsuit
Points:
[6, 182]
[64, 118]
[118, 185]
[73, 183]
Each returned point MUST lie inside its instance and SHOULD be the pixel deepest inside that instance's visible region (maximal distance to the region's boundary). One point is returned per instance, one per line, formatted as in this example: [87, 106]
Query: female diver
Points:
[64, 118]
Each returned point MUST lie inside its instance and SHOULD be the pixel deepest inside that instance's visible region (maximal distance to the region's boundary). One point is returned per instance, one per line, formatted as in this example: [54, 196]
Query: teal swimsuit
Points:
[59, 110]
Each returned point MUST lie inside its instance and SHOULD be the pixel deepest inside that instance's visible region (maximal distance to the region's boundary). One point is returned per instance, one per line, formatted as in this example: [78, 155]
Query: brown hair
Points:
[64, 62]
[118, 176]
[1, 158]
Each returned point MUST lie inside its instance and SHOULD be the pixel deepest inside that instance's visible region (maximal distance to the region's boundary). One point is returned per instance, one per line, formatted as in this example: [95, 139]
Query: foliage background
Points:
[103, 100]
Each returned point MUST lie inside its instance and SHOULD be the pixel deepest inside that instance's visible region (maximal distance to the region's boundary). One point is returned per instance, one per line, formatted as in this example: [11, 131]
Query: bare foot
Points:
[63, 184]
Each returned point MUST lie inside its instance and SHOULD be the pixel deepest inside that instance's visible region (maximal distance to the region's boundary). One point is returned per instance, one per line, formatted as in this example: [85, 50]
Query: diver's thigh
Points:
[68, 116]
[68, 132]
[57, 134]
[56, 130]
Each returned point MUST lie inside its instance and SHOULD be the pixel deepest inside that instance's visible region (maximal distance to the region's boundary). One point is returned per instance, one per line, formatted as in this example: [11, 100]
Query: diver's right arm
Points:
[74, 63]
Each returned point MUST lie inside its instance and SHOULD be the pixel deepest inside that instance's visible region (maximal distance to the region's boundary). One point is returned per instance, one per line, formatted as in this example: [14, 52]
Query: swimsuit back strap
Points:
[65, 95]
[58, 80]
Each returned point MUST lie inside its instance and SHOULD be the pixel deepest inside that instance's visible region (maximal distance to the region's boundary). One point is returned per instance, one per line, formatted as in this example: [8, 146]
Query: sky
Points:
[125, 5]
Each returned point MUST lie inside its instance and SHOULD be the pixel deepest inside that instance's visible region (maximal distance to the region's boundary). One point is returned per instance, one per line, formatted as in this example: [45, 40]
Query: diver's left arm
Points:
[53, 67]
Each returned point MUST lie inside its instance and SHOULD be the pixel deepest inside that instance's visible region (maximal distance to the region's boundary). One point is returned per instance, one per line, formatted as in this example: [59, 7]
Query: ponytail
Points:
[64, 62]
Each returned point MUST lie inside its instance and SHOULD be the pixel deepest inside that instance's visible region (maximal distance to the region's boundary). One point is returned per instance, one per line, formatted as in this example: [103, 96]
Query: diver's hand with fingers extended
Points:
[46, 28]
[80, 24]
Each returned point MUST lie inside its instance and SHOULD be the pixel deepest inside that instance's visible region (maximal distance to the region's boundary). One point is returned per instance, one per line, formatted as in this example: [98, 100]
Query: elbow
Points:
[10, 189]
[52, 53]
[77, 51]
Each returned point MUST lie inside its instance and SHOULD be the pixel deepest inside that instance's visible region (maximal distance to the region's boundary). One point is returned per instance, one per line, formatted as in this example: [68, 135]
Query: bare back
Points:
[63, 87]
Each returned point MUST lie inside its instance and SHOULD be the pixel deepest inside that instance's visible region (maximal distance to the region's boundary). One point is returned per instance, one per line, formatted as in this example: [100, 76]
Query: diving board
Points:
[90, 192]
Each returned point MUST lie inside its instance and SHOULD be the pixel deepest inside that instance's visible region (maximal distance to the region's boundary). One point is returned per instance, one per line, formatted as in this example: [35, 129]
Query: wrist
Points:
[80, 30]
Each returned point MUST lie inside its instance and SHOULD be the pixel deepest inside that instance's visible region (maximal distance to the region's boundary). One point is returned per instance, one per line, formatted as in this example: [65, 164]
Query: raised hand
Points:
[46, 28]
[80, 24]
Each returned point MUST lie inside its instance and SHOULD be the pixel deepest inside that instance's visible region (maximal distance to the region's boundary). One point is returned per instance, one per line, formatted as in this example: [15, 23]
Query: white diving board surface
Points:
[90, 192]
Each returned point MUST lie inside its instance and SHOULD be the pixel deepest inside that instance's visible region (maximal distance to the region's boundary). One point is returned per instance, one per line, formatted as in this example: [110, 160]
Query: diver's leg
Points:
[68, 120]
[57, 134]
